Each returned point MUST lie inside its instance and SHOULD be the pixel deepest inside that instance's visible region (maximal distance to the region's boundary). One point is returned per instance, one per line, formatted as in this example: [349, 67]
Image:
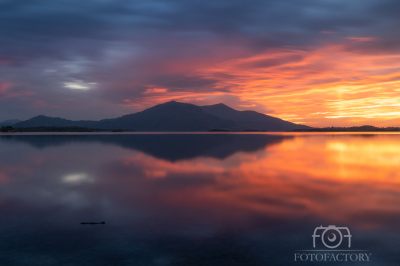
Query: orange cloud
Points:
[318, 86]
[361, 39]
[155, 90]
[4, 87]
[328, 84]
[341, 84]
[3, 177]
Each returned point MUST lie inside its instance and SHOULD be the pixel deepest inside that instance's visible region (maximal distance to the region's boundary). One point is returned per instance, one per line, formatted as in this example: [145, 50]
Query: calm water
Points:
[196, 199]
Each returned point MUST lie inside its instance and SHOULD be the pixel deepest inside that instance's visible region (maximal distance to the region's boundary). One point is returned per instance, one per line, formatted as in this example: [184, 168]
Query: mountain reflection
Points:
[171, 147]
[252, 200]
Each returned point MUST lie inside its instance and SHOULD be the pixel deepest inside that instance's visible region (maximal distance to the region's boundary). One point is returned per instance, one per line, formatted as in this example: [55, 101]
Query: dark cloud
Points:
[272, 62]
[389, 45]
[189, 82]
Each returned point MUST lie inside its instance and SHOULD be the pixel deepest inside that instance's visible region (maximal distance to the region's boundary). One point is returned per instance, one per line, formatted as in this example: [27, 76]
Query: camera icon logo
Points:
[331, 235]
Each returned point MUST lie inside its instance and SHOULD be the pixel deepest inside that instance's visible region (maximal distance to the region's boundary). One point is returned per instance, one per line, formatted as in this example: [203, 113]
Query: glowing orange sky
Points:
[325, 86]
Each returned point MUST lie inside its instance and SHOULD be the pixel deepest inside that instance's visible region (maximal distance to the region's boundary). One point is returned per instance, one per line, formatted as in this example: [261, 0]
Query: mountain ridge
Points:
[9, 122]
[176, 116]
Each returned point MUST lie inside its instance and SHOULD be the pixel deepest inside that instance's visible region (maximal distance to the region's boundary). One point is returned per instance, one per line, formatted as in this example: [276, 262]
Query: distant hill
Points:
[176, 116]
[9, 122]
[45, 121]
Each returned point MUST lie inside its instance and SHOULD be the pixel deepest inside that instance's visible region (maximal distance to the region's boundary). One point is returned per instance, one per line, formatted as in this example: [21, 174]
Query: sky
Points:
[313, 62]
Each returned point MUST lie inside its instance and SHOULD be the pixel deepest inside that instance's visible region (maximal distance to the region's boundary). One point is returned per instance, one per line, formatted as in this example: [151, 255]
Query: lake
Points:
[200, 199]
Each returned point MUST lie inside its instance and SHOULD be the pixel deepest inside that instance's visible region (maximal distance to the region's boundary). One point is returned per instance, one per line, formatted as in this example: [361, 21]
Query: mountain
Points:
[176, 116]
[10, 122]
[46, 121]
[170, 116]
[250, 120]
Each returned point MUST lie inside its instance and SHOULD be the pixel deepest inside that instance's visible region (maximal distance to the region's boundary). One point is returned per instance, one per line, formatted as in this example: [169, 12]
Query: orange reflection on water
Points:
[340, 179]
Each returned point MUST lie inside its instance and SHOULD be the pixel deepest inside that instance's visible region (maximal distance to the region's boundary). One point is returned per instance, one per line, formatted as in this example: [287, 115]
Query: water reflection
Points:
[194, 199]
[171, 147]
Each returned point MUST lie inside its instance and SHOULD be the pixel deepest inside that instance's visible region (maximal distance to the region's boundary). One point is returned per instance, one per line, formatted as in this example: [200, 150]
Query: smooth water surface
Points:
[196, 199]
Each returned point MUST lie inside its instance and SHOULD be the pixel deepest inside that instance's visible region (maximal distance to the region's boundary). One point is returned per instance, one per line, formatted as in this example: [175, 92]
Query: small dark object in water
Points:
[94, 223]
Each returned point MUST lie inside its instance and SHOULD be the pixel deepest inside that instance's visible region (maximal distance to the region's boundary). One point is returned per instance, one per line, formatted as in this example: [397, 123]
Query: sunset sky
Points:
[315, 62]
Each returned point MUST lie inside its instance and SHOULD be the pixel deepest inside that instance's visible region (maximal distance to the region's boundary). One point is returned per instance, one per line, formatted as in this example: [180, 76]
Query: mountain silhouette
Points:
[176, 116]
[170, 116]
[10, 122]
[45, 121]
[250, 120]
